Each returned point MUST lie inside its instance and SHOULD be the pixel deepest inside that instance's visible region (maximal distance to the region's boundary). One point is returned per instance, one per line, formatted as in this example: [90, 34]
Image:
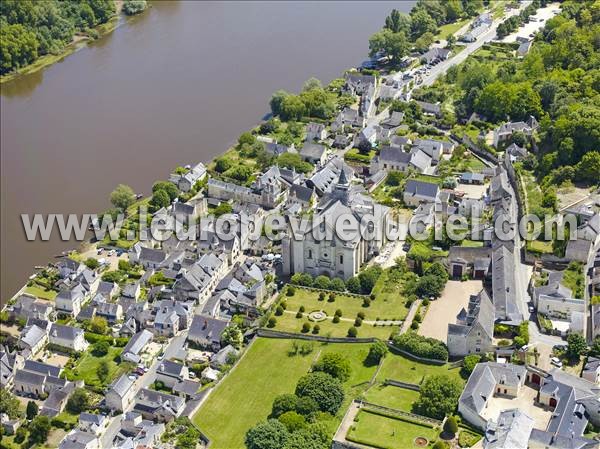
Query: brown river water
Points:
[173, 86]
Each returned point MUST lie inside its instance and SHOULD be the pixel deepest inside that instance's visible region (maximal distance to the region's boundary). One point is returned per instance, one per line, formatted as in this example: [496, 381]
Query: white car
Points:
[556, 362]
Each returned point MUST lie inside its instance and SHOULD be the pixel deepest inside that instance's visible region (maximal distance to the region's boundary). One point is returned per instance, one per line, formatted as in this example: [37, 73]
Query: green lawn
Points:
[245, 397]
[398, 367]
[87, 367]
[573, 278]
[389, 304]
[391, 396]
[445, 30]
[385, 432]
[41, 292]
[472, 243]
[538, 246]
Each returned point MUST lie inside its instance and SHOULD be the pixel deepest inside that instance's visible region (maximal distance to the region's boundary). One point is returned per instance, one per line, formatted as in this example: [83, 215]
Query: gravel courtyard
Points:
[444, 310]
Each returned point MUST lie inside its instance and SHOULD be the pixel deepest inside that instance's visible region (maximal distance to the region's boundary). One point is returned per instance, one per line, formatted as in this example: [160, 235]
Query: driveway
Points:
[444, 310]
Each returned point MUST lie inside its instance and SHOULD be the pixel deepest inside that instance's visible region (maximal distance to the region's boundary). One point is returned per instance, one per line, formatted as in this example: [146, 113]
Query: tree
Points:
[352, 332]
[393, 45]
[32, 410]
[364, 147]
[322, 282]
[18, 47]
[451, 426]
[438, 396]
[292, 421]
[9, 404]
[377, 351]
[79, 401]
[595, 349]
[98, 325]
[334, 364]
[100, 348]
[232, 335]
[421, 23]
[326, 390]
[284, 403]
[588, 169]
[246, 138]
[469, 364]
[292, 108]
[270, 434]
[398, 22]
[277, 100]
[311, 84]
[307, 406]
[337, 284]
[168, 187]
[223, 164]
[353, 285]
[133, 7]
[39, 429]
[294, 161]
[122, 197]
[423, 43]
[576, 346]
[103, 371]
[313, 436]
[223, 209]
[92, 263]
[160, 199]
[429, 285]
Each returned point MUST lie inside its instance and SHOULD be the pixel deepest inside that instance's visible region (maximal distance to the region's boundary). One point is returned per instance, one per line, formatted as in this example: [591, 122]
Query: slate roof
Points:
[504, 292]
[301, 193]
[65, 332]
[137, 343]
[122, 385]
[169, 368]
[41, 368]
[483, 380]
[207, 328]
[31, 335]
[312, 150]
[481, 310]
[421, 188]
[512, 431]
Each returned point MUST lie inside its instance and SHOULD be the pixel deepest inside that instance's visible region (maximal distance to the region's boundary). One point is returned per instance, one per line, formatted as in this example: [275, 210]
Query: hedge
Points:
[421, 346]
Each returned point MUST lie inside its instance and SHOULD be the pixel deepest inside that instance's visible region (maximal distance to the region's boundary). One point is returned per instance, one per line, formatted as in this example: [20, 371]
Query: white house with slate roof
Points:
[158, 406]
[205, 331]
[511, 431]
[505, 131]
[135, 346]
[186, 181]
[120, 394]
[170, 373]
[417, 192]
[33, 339]
[69, 301]
[473, 332]
[67, 337]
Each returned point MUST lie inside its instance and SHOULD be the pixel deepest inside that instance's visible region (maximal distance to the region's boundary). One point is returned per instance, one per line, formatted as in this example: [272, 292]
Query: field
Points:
[87, 367]
[392, 397]
[245, 397]
[388, 305]
[383, 431]
[41, 292]
[400, 368]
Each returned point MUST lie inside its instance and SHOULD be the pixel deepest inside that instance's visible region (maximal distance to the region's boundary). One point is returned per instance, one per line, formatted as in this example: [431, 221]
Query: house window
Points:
[310, 253]
[341, 259]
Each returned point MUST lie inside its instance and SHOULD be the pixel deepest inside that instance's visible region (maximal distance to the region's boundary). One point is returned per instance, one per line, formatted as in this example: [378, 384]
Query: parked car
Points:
[531, 309]
[556, 362]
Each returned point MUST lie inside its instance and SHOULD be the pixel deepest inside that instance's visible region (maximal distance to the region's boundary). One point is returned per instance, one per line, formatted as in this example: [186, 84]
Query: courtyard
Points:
[444, 310]
[525, 401]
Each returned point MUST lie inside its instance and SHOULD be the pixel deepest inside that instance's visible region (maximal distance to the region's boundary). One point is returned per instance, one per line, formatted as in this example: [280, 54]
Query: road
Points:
[144, 381]
[441, 68]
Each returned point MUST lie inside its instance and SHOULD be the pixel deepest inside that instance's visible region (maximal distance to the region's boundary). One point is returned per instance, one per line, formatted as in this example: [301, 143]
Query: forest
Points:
[31, 29]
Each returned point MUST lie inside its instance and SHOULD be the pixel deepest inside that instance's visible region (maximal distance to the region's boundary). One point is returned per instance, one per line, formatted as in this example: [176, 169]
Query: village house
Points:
[433, 109]
[93, 423]
[171, 316]
[591, 370]
[473, 332]
[78, 439]
[134, 347]
[505, 131]
[435, 55]
[120, 394]
[33, 340]
[107, 289]
[158, 406]
[481, 24]
[186, 181]
[27, 306]
[417, 192]
[313, 153]
[170, 373]
[68, 337]
[111, 312]
[36, 379]
[315, 131]
[70, 301]
[138, 433]
[347, 119]
[277, 149]
[205, 332]
[10, 362]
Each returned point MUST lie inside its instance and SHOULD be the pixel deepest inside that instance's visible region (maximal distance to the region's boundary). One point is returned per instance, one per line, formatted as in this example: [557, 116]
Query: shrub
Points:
[305, 328]
[321, 296]
[358, 322]
[338, 312]
[366, 302]
[100, 349]
[331, 297]
[326, 390]
[377, 351]
[421, 346]
[301, 309]
[352, 332]
[372, 296]
[272, 322]
[334, 364]
[467, 439]
[322, 282]
[316, 329]
[361, 315]
[290, 291]
[279, 311]
[299, 314]
[336, 319]
[451, 426]
[418, 318]
[283, 304]
[469, 364]
[414, 325]
[337, 284]
[440, 445]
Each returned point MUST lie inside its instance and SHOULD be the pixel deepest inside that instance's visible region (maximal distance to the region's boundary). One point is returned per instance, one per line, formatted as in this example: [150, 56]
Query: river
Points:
[173, 86]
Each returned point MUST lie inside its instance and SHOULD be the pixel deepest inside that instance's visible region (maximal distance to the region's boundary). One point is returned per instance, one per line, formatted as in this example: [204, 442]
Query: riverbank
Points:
[79, 41]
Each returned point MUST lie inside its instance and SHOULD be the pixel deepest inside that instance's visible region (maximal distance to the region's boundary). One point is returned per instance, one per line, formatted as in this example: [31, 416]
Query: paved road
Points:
[144, 381]
[470, 48]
